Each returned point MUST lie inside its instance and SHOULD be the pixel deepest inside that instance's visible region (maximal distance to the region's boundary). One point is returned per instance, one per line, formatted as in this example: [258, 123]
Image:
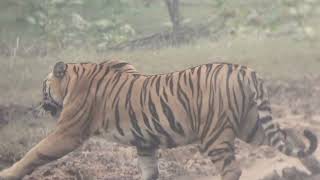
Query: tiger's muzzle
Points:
[51, 106]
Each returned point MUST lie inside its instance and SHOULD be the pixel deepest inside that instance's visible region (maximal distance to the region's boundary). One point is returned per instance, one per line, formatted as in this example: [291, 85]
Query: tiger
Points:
[209, 105]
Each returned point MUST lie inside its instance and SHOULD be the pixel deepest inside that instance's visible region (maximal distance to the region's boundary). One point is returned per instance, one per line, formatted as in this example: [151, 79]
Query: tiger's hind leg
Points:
[148, 163]
[220, 149]
[251, 129]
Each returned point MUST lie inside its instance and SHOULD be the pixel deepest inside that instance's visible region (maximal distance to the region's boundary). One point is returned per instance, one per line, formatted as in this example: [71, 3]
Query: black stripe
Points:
[253, 132]
[236, 101]
[128, 97]
[220, 121]
[209, 120]
[100, 81]
[170, 142]
[184, 100]
[228, 161]
[217, 152]
[94, 70]
[208, 69]
[134, 121]
[185, 77]
[83, 71]
[75, 70]
[272, 134]
[230, 104]
[217, 159]
[146, 121]
[117, 119]
[261, 90]
[105, 93]
[217, 71]
[222, 128]
[211, 109]
[165, 94]
[153, 78]
[116, 96]
[243, 95]
[265, 119]
[255, 82]
[115, 82]
[175, 125]
[272, 126]
[275, 141]
[171, 85]
[152, 108]
[158, 85]
[143, 95]
[264, 106]
[120, 65]
[191, 84]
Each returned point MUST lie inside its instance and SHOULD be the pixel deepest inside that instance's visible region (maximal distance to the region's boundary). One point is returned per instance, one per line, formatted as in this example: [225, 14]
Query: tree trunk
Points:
[174, 13]
[173, 7]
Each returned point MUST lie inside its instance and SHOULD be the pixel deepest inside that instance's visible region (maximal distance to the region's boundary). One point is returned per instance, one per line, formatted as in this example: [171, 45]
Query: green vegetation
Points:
[99, 24]
[276, 58]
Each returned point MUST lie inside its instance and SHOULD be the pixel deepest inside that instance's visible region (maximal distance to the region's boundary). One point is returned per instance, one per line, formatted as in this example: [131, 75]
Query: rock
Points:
[316, 177]
[293, 174]
[273, 176]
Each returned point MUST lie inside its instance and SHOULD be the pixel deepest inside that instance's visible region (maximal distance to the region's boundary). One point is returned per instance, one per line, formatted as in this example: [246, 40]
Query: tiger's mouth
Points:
[51, 107]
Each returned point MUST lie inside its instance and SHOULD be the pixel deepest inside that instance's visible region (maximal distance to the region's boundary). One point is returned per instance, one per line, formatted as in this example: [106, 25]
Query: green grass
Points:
[144, 20]
[276, 58]
[20, 135]
[155, 18]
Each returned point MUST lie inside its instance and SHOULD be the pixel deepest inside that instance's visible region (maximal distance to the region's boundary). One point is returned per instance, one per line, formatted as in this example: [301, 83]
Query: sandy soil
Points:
[294, 105]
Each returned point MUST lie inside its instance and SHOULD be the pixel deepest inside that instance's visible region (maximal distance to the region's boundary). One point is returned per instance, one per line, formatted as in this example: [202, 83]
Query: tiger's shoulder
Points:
[121, 66]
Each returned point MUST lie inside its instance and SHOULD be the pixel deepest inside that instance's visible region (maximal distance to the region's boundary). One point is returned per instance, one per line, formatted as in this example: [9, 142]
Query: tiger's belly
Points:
[149, 139]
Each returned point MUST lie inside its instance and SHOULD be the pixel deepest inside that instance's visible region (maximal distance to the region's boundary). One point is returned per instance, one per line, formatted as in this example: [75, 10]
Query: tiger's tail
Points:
[272, 131]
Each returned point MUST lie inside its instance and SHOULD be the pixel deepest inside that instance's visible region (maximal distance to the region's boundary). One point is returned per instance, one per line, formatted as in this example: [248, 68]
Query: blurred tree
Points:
[147, 3]
[174, 13]
[66, 23]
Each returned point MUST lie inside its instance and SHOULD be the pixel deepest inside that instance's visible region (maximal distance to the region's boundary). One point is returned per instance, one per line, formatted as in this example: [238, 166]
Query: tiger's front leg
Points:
[148, 163]
[56, 145]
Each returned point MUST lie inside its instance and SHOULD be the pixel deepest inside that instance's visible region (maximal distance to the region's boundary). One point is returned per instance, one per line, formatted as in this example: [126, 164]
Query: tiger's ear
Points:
[59, 69]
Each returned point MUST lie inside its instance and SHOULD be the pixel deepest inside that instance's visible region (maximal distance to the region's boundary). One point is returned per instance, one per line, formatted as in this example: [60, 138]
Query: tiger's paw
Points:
[7, 174]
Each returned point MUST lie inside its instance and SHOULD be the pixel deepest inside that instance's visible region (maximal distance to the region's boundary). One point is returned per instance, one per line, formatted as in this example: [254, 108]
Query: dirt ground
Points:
[295, 105]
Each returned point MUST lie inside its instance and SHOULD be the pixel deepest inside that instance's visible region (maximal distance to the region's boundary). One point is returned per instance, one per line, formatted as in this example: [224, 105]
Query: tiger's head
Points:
[54, 89]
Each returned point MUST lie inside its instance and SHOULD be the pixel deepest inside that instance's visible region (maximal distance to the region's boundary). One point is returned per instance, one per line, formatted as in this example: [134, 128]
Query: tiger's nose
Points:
[45, 96]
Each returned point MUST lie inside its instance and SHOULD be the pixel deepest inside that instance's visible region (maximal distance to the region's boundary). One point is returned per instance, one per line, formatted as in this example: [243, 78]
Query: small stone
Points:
[273, 176]
[309, 31]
